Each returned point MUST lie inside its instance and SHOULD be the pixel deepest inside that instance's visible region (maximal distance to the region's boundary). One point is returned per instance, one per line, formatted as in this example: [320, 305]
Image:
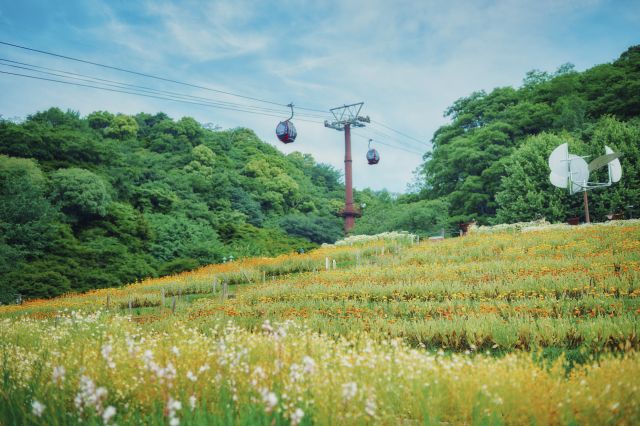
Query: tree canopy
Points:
[489, 163]
[106, 199]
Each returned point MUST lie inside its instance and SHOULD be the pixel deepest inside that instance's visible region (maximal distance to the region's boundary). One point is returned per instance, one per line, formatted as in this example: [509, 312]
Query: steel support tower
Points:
[346, 117]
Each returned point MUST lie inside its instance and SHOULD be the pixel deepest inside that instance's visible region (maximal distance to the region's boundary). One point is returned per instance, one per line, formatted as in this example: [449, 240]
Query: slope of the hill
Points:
[311, 338]
[545, 286]
[107, 199]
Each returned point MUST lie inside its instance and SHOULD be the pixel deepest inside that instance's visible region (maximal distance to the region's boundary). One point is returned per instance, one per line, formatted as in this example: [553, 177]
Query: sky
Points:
[406, 60]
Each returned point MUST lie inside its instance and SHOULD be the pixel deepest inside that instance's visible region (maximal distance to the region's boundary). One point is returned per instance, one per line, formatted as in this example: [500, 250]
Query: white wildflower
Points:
[106, 351]
[349, 390]
[175, 351]
[58, 375]
[266, 327]
[108, 414]
[615, 406]
[296, 416]
[37, 408]
[191, 376]
[90, 396]
[309, 365]
[172, 407]
[370, 407]
[270, 400]
[192, 402]
[106, 354]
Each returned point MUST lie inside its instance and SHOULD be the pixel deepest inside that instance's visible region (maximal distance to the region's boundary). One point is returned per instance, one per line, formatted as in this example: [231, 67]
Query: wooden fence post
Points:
[162, 298]
[224, 291]
[108, 301]
[264, 277]
[334, 264]
[326, 263]
[173, 305]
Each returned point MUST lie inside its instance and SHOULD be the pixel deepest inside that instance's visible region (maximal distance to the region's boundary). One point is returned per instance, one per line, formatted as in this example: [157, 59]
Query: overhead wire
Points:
[394, 146]
[169, 98]
[398, 132]
[151, 96]
[127, 88]
[392, 138]
[112, 83]
[84, 61]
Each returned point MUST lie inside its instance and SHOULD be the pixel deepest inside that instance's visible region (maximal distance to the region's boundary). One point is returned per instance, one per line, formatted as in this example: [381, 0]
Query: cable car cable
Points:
[107, 82]
[84, 61]
[150, 96]
[232, 107]
[393, 138]
[398, 131]
[397, 143]
[390, 145]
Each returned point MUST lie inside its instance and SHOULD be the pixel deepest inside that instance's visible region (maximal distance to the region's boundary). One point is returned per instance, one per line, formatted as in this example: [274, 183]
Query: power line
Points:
[117, 84]
[84, 61]
[150, 96]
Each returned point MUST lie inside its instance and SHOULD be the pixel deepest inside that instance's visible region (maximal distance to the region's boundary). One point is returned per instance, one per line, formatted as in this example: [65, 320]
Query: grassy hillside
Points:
[514, 324]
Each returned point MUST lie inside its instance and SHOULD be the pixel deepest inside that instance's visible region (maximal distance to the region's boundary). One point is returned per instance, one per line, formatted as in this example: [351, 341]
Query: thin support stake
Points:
[587, 219]
[224, 291]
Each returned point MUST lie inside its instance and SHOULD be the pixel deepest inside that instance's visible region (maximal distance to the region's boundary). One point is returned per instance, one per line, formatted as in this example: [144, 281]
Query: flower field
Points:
[514, 325]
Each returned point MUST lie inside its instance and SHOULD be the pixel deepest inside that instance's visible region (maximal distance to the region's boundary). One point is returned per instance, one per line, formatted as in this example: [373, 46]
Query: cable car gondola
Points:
[286, 131]
[372, 155]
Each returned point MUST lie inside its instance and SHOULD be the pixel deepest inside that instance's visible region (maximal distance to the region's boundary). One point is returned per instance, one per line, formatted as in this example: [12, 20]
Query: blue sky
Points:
[407, 60]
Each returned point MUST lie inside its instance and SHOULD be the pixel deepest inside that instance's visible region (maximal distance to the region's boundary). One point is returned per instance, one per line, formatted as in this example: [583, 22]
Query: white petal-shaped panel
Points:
[559, 181]
[615, 168]
[579, 171]
[558, 160]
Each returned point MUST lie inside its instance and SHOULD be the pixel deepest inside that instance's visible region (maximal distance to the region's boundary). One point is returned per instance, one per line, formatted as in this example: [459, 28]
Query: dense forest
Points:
[102, 200]
[490, 163]
[108, 199]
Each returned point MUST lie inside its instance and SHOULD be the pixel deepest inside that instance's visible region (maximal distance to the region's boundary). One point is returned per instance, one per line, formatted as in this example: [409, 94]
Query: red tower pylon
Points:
[347, 116]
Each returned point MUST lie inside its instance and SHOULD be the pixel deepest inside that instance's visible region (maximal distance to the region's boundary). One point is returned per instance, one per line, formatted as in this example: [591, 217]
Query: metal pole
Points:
[586, 208]
[349, 220]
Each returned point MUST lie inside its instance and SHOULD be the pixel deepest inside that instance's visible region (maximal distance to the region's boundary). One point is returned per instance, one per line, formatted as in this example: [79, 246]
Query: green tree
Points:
[122, 127]
[80, 193]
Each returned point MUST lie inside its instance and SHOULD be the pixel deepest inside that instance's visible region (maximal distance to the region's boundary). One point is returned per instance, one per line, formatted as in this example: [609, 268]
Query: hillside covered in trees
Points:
[108, 199]
[490, 162]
